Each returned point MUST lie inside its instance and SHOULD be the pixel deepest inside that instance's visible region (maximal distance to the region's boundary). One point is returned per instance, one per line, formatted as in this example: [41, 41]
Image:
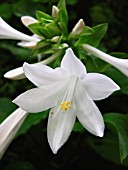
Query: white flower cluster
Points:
[68, 90]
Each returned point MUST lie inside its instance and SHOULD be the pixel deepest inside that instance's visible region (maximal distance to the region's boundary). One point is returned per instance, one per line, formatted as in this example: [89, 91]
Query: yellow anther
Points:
[65, 105]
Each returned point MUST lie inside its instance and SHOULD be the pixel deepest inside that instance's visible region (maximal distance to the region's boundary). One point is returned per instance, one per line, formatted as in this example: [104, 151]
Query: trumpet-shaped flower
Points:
[69, 91]
[120, 64]
[9, 128]
[7, 32]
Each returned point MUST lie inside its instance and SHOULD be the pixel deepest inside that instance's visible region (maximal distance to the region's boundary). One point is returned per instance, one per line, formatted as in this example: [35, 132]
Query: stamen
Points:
[65, 105]
[67, 98]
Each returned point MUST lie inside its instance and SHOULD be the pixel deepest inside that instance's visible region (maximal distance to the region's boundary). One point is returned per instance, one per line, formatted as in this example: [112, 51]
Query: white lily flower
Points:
[69, 91]
[7, 32]
[120, 64]
[9, 128]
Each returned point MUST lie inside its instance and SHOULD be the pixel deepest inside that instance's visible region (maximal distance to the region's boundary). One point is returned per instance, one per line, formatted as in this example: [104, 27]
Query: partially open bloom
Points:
[69, 91]
[9, 128]
[7, 32]
[120, 64]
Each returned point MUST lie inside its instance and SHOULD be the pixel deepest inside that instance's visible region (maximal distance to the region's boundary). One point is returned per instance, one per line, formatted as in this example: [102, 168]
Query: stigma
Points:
[65, 105]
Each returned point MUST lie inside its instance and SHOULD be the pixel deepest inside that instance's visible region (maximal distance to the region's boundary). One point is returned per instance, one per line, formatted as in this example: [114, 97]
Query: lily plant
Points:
[69, 91]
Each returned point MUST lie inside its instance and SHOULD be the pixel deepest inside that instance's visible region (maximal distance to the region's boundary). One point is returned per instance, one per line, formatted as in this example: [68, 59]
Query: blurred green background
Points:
[30, 150]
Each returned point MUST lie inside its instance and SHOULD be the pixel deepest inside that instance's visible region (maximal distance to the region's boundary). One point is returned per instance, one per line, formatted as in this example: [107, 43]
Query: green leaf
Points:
[62, 17]
[32, 119]
[46, 30]
[36, 28]
[87, 31]
[61, 5]
[53, 29]
[114, 145]
[119, 54]
[95, 38]
[40, 15]
[120, 123]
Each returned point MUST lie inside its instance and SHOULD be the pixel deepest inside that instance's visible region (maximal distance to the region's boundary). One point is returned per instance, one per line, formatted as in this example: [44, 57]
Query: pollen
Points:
[65, 105]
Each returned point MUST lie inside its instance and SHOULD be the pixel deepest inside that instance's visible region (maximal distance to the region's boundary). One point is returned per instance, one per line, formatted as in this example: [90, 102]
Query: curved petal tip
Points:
[27, 20]
[100, 134]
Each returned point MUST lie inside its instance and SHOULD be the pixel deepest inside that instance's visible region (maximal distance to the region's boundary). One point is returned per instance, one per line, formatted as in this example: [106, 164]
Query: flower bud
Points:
[55, 11]
[55, 39]
[27, 20]
[78, 27]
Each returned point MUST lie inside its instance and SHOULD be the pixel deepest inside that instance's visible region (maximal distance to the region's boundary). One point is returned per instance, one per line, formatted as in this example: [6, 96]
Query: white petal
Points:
[7, 32]
[27, 20]
[42, 75]
[15, 74]
[87, 112]
[9, 127]
[99, 86]
[71, 63]
[40, 99]
[120, 64]
[60, 126]
[27, 44]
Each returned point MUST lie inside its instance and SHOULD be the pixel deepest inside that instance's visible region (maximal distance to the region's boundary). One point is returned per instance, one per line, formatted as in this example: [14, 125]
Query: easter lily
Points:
[69, 91]
[120, 64]
[7, 32]
[9, 128]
